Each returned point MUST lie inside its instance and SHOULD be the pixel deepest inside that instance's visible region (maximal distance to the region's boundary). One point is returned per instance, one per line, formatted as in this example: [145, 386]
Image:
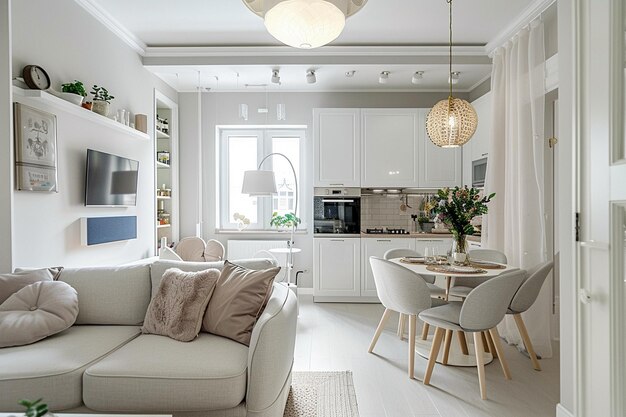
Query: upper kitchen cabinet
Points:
[389, 147]
[480, 140]
[337, 134]
[438, 167]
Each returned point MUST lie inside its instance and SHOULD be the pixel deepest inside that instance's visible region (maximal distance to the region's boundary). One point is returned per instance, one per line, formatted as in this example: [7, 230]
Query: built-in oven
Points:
[479, 172]
[337, 211]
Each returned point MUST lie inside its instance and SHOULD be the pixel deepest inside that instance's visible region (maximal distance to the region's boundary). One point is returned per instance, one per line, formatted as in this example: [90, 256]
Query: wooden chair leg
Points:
[478, 347]
[527, 343]
[379, 329]
[425, 328]
[485, 344]
[412, 334]
[446, 347]
[434, 352]
[492, 349]
[495, 337]
[462, 342]
[401, 326]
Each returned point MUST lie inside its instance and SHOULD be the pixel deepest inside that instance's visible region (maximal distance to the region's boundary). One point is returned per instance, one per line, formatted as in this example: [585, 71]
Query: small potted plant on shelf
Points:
[73, 92]
[426, 226]
[101, 100]
[289, 220]
[456, 208]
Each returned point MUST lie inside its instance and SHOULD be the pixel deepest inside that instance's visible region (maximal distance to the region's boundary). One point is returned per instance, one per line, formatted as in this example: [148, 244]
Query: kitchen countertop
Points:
[414, 235]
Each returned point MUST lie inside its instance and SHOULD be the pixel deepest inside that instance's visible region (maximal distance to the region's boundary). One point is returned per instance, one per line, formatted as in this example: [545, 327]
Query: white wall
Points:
[70, 44]
[222, 109]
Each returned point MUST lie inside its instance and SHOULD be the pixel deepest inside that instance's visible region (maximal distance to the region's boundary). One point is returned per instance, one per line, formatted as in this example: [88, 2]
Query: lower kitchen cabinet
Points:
[337, 268]
[377, 247]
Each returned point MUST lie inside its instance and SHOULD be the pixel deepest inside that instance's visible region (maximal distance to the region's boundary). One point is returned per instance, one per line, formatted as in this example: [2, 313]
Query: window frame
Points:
[264, 135]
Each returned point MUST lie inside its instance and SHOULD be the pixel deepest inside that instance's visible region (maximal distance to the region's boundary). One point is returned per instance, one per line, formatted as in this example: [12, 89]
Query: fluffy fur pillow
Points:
[37, 311]
[12, 283]
[177, 308]
[239, 299]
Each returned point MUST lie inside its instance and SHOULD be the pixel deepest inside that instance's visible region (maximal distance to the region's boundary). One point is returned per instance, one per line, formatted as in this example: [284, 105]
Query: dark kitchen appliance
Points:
[337, 211]
[479, 172]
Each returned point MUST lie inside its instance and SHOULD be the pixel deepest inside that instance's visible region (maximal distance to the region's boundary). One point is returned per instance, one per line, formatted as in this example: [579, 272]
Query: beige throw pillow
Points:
[37, 311]
[177, 308]
[239, 299]
[12, 283]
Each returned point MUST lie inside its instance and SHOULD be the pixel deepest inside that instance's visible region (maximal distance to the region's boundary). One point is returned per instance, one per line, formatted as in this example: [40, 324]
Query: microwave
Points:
[479, 172]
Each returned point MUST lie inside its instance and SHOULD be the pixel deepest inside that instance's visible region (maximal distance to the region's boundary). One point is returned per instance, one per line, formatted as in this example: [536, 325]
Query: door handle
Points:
[584, 296]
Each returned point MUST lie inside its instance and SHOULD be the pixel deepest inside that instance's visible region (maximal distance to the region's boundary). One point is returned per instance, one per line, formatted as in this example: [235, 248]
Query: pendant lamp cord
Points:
[450, 75]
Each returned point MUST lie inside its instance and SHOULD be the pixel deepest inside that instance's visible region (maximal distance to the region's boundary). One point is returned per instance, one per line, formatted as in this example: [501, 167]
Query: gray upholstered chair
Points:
[435, 291]
[484, 307]
[404, 291]
[462, 286]
[524, 298]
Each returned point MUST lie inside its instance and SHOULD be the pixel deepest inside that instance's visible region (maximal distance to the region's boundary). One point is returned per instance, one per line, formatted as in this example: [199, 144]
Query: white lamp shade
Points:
[305, 23]
[259, 183]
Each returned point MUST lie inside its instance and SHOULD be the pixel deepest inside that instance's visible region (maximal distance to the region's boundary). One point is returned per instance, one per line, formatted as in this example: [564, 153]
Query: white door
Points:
[389, 149]
[602, 207]
[337, 134]
[377, 247]
[337, 267]
[438, 167]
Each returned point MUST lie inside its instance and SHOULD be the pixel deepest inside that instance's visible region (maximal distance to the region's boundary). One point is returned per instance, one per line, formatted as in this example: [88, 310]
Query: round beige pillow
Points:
[37, 311]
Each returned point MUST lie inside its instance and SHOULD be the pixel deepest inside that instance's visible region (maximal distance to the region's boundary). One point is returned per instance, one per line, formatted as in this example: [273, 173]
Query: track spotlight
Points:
[454, 77]
[275, 77]
[384, 77]
[310, 77]
[417, 77]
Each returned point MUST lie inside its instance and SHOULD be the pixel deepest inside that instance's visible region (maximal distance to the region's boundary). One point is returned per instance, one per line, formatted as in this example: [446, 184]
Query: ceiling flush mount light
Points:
[305, 24]
[384, 77]
[417, 77]
[275, 77]
[310, 77]
[454, 77]
[452, 122]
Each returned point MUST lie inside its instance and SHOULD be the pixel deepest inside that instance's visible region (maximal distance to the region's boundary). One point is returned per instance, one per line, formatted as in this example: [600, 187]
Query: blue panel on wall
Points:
[111, 229]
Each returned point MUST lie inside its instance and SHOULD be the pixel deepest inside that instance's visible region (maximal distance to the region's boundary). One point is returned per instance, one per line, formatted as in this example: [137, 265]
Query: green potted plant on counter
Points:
[456, 208]
[101, 100]
[289, 220]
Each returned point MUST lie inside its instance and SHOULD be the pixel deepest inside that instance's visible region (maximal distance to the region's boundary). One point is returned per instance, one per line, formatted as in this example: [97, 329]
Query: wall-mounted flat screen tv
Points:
[111, 180]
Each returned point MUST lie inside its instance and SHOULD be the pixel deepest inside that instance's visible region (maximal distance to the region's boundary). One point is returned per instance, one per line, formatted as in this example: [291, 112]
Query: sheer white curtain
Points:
[515, 223]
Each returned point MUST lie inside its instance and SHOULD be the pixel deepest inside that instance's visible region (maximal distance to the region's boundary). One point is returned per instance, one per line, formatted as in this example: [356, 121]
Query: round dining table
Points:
[461, 354]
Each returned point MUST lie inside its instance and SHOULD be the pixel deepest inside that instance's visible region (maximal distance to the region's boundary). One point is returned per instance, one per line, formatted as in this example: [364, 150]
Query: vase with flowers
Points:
[456, 207]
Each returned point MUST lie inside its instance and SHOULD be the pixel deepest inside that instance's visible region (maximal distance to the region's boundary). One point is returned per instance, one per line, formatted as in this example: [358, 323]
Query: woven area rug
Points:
[322, 394]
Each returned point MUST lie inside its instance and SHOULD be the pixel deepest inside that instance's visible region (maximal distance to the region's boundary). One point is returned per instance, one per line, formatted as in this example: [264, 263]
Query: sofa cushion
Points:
[158, 374]
[36, 312]
[176, 310]
[158, 268]
[53, 368]
[110, 295]
[12, 283]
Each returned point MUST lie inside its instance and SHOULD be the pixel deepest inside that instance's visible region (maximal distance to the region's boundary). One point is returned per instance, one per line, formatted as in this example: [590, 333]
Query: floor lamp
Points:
[261, 183]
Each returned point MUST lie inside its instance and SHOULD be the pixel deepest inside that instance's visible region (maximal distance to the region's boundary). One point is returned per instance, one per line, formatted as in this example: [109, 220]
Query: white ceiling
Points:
[381, 24]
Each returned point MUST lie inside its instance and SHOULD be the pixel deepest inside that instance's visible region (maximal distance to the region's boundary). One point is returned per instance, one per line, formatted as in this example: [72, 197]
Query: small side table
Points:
[285, 251]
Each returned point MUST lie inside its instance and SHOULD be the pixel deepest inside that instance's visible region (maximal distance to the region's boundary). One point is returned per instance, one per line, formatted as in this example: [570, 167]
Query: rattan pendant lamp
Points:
[451, 123]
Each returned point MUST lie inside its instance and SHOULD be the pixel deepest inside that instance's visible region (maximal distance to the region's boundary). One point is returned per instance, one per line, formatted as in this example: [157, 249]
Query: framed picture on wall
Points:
[35, 149]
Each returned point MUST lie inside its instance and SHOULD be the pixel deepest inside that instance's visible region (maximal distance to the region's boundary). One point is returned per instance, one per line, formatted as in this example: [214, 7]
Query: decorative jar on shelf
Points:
[101, 107]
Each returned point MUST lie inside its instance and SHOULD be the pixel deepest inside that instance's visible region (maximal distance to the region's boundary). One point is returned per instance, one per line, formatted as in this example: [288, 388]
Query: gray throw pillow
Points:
[239, 299]
[37, 311]
[12, 283]
[177, 308]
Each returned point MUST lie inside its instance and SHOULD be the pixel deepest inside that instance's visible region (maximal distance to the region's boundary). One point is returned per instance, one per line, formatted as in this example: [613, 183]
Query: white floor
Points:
[336, 337]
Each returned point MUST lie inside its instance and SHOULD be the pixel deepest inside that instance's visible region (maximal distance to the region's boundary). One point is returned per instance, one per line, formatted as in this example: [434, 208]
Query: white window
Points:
[242, 150]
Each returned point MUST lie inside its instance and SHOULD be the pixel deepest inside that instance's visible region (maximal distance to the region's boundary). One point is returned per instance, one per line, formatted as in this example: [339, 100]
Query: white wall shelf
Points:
[50, 100]
[159, 197]
[163, 226]
[161, 165]
[161, 135]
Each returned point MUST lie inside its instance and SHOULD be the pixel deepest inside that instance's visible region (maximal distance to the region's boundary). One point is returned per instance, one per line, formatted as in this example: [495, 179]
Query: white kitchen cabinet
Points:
[480, 140]
[377, 247]
[337, 267]
[389, 147]
[337, 138]
[438, 167]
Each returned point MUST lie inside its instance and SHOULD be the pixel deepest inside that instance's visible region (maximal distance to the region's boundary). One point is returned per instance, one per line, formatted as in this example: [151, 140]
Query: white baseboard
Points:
[305, 291]
[562, 411]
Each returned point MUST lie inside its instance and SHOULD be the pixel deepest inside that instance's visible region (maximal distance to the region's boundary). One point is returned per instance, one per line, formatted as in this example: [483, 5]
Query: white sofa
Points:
[104, 364]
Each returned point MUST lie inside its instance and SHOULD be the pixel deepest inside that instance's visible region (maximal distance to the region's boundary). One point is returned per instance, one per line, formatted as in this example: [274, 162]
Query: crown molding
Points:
[300, 90]
[533, 11]
[479, 82]
[113, 25]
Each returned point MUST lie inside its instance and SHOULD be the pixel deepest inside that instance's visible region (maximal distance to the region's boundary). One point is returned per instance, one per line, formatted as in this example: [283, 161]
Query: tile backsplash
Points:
[380, 211]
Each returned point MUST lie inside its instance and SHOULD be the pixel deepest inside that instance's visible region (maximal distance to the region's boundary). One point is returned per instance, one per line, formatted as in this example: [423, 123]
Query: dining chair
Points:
[435, 291]
[484, 307]
[214, 251]
[191, 249]
[401, 290]
[524, 298]
[461, 287]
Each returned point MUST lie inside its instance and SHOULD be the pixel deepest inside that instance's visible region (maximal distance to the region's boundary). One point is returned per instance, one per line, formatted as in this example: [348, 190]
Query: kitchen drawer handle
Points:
[337, 240]
[383, 240]
[485, 154]
[336, 185]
